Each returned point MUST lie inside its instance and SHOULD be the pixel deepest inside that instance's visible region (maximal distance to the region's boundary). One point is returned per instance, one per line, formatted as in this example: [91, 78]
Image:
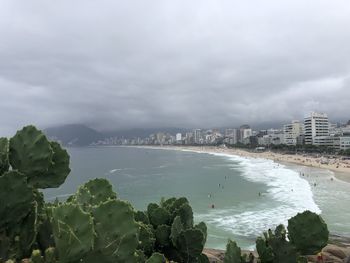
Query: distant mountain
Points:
[73, 134]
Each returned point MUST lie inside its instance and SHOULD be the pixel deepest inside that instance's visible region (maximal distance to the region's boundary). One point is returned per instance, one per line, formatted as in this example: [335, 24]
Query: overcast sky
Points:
[122, 64]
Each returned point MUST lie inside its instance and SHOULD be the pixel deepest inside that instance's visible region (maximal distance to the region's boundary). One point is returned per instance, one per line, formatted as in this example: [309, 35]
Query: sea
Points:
[237, 197]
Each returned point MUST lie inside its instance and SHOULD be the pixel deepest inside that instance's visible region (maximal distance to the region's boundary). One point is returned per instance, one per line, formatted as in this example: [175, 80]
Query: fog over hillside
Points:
[147, 64]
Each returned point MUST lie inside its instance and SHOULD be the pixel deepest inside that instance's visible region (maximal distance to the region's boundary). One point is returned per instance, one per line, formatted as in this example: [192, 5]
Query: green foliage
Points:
[176, 228]
[190, 244]
[100, 190]
[163, 236]
[156, 258]
[264, 250]
[16, 198]
[308, 232]
[58, 169]
[4, 157]
[159, 216]
[186, 215]
[203, 227]
[36, 257]
[31, 154]
[233, 253]
[116, 230]
[203, 259]
[73, 231]
[146, 239]
[44, 163]
[142, 217]
[50, 255]
[274, 247]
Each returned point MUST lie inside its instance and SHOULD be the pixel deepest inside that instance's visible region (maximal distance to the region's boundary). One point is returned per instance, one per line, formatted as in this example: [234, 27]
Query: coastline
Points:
[340, 168]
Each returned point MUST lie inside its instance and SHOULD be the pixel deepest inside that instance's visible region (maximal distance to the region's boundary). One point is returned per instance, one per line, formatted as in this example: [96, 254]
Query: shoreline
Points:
[339, 168]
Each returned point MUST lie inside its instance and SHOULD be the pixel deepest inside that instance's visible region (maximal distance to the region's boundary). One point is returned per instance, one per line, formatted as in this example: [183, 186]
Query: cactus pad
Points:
[4, 155]
[156, 258]
[116, 230]
[73, 231]
[30, 153]
[163, 235]
[58, 169]
[308, 232]
[190, 244]
[159, 216]
[233, 252]
[100, 190]
[176, 228]
[146, 238]
[16, 198]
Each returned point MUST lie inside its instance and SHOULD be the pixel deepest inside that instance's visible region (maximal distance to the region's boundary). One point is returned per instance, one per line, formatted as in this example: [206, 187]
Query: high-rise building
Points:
[244, 133]
[231, 134]
[178, 137]
[197, 135]
[292, 131]
[315, 125]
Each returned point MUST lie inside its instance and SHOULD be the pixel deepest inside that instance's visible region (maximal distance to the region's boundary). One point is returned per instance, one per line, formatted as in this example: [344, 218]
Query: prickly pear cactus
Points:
[146, 238]
[93, 193]
[116, 230]
[83, 198]
[308, 232]
[58, 169]
[156, 258]
[176, 228]
[4, 155]
[275, 248]
[233, 253]
[190, 244]
[163, 236]
[16, 198]
[30, 153]
[36, 257]
[100, 190]
[265, 251]
[186, 215]
[73, 231]
[141, 216]
[159, 216]
[203, 259]
[50, 255]
[203, 227]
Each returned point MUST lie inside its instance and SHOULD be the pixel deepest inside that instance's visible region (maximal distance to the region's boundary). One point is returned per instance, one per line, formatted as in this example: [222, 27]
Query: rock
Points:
[335, 251]
[347, 260]
[327, 257]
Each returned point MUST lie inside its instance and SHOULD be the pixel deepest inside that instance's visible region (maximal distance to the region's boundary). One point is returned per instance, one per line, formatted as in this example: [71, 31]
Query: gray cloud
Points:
[121, 64]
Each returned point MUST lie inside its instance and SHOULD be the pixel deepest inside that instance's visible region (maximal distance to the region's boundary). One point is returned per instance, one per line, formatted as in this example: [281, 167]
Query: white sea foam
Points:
[291, 192]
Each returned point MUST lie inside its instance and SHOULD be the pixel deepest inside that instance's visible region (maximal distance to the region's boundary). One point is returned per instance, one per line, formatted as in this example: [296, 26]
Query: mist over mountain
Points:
[74, 134]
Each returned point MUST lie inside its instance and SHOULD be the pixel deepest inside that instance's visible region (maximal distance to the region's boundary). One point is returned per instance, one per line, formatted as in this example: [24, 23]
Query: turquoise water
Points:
[231, 183]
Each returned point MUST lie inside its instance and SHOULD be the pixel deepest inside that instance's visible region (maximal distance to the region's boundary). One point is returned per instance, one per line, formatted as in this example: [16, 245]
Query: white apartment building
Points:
[344, 143]
[328, 141]
[292, 131]
[198, 136]
[178, 137]
[316, 125]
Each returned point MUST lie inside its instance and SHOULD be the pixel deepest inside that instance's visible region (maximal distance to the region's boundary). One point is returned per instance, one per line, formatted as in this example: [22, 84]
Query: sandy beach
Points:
[340, 168]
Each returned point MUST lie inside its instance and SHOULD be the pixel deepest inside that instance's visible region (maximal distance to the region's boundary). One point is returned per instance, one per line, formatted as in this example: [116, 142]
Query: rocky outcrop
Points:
[332, 253]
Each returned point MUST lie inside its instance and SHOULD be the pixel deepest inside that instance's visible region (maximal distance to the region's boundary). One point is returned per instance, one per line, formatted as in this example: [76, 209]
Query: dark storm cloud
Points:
[120, 64]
